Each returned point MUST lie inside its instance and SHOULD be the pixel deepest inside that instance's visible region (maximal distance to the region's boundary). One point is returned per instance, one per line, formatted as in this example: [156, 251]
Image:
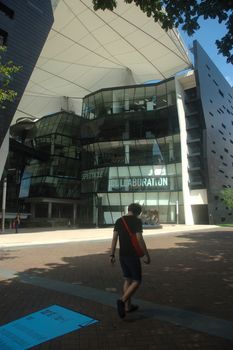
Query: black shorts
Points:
[131, 268]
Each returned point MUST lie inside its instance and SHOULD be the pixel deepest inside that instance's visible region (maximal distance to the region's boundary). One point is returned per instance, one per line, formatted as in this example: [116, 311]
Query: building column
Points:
[96, 158]
[52, 154]
[171, 152]
[4, 150]
[184, 151]
[33, 210]
[126, 153]
[49, 210]
[4, 203]
[95, 210]
[74, 213]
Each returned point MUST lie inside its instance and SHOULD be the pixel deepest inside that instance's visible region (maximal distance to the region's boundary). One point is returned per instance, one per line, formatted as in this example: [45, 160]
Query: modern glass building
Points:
[102, 134]
[132, 152]
[51, 187]
[166, 145]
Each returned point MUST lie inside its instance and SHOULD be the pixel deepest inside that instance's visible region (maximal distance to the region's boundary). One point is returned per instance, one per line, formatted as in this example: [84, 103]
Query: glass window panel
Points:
[179, 182]
[113, 172]
[161, 101]
[144, 171]
[173, 198]
[150, 96]
[99, 105]
[161, 90]
[105, 199]
[178, 168]
[170, 86]
[118, 95]
[129, 97]
[111, 217]
[171, 169]
[171, 94]
[113, 198]
[117, 107]
[91, 107]
[139, 198]
[118, 101]
[108, 107]
[135, 171]
[85, 108]
[164, 198]
[124, 172]
[150, 91]
[98, 97]
[139, 102]
[129, 94]
[139, 93]
[107, 96]
[151, 199]
[153, 170]
[181, 198]
[142, 154]
[126, 199]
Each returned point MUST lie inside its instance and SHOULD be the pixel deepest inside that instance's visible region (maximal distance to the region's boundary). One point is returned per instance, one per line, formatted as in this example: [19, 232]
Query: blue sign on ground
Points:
[41, 326]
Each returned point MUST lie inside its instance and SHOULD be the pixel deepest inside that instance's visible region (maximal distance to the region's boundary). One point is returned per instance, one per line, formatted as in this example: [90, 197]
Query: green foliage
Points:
[227, 195]
[7, 70]
[185, 14]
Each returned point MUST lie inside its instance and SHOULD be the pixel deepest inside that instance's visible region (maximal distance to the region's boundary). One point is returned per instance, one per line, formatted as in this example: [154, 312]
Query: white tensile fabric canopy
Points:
[87, 50]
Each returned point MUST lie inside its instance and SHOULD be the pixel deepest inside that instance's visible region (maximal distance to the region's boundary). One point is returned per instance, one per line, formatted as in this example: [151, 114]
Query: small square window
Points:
[3, 37]
[6, 10]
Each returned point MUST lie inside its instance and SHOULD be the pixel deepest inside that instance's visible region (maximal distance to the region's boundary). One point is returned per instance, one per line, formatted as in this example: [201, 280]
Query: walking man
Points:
[129, 260]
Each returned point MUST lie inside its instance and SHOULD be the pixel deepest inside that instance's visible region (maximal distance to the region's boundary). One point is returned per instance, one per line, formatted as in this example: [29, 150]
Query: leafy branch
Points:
[227, 196]
[7, 70]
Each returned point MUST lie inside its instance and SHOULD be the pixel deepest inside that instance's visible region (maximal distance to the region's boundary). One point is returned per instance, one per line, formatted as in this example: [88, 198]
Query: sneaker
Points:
[121, 308]
[132, 308]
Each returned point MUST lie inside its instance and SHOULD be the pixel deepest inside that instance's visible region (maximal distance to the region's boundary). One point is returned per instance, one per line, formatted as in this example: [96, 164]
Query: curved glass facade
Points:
[131, 152]
[129, 99]
[58, 177]
[158, 144]
[125, 148]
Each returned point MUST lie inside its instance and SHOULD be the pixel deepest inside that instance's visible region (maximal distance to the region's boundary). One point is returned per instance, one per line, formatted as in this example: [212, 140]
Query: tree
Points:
[227, 196]
[7, 70]
[185, 14]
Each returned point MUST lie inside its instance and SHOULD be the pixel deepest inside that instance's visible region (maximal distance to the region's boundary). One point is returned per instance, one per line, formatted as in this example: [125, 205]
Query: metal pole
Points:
[97, 211]
[177, 212]
[4, 204]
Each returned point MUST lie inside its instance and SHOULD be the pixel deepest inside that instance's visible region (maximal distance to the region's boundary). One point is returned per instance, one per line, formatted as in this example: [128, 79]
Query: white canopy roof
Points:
[87, 50]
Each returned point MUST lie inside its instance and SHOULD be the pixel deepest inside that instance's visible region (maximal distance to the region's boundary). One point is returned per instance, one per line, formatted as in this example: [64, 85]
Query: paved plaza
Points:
[185, 300]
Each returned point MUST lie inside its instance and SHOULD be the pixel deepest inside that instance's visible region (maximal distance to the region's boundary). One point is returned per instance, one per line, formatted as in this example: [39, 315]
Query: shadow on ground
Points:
[195, 274]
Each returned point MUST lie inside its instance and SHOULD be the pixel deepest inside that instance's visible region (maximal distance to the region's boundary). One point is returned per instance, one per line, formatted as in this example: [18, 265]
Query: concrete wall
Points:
[26, 32]
[217, 104]
[3, 153]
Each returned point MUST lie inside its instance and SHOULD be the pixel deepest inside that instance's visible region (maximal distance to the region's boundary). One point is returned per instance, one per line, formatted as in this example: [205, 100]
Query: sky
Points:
[209, 32]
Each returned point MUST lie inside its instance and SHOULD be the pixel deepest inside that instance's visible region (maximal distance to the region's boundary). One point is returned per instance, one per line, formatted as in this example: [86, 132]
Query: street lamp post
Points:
[177, 212]
[4, 204]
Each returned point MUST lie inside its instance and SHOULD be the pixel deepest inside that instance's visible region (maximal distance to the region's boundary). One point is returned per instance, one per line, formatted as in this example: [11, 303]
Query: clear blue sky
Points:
[209, 31]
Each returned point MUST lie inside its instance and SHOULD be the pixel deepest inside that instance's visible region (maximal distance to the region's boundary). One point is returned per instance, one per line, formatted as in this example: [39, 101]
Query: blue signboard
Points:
[25, 184]
[40, 327]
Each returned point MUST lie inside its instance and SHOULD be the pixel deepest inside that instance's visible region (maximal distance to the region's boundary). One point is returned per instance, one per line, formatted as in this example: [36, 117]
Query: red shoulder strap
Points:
[134, 240]
[126, 226]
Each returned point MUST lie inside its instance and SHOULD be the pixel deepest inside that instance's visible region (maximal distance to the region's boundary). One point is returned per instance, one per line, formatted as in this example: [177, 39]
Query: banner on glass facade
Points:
[93, 174]
[145, 183]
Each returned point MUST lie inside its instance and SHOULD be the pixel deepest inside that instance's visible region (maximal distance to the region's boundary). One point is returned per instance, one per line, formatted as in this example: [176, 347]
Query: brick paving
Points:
[190, 270]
